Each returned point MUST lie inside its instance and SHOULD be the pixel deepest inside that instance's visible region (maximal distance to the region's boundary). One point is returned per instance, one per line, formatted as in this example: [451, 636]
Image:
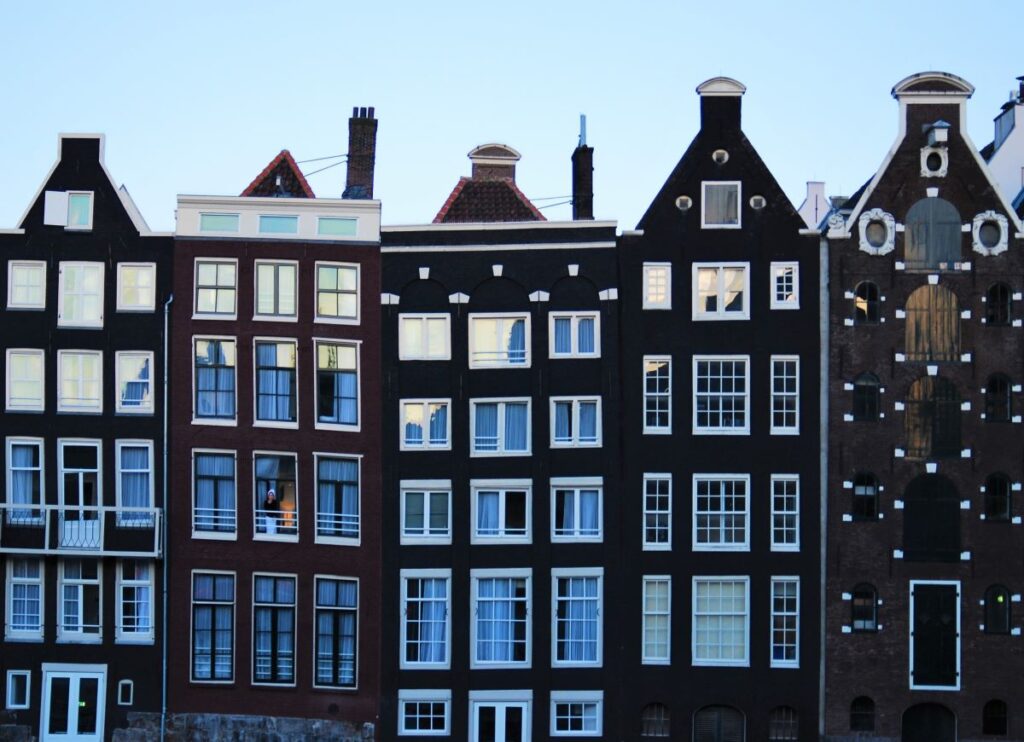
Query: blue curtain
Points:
[348, 402]
[215, 382]
[136, 390]
[588, 422]
[438, 425]
[24, 483]
[563, 335]
[515, 426]
[434, 619]
[590, 502]
[275, 387]
[414, 426]
[487, 513]
[567, 522]
[135, 473]
[517, 342]
[563, 422]
[215, 492]
[494, 620]
[486, 433]
[585, 335]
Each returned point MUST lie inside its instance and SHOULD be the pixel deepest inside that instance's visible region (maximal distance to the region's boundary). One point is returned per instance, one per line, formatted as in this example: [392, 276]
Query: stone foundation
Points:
[144, 727]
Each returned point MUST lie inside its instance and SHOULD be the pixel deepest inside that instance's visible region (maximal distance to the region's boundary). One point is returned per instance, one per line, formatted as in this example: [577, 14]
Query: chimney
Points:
[1020, 90]
[362, 153]
[583, 176]
[720, 104]
[815, 205]
[493, 162]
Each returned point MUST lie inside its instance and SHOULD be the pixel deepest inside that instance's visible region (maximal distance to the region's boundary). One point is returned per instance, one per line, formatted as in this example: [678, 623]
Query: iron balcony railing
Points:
[86, 530]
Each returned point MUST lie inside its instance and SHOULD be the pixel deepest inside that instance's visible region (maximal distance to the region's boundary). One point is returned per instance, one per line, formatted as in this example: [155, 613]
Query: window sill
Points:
[720, 317]
[281, 538]
[485, 666]
[221, 422]
[79, 640]
[27, 639]
[574, 356]
[214, 535]
[500, 540]
[442, 666]
[330, 540]
[662, 663]
[657, 431]
[425, 541]
[265, 684]
[556, 446]
[721, 431]
[135, 310]
[577, 539]
[499, 366]
[337, 427]
[556, 664]
[424, 449]
[274, 318]
[138, 642]
[35, 410]
[657, 547]
[275, 424]
[784, 306]
[65, 326]
[784, 431]
[134, 413]
[78, 412]
[716, 547]
[720, 663]
[497, 454]
[15, 308]
[336, 688]
[342, 321]
[216, 317]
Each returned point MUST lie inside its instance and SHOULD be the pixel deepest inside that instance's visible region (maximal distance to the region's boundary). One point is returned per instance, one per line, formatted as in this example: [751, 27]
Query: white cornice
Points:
[493, 226]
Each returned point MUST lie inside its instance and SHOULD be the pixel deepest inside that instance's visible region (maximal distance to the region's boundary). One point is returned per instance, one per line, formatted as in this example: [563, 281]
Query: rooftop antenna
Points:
[583, 130]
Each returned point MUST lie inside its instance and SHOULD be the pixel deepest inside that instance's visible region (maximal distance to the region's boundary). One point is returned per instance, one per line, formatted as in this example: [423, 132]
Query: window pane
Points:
[218, 222]
[279, 224]
[336, 226]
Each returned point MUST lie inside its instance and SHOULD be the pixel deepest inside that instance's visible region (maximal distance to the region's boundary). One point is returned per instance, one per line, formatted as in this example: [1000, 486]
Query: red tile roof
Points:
[487, 200]
[293, 182]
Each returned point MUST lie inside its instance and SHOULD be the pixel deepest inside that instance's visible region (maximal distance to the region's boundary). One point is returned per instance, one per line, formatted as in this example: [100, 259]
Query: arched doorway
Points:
[928, 722]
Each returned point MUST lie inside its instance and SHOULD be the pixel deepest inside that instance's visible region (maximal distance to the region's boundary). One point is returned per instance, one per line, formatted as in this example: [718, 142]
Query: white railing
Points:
[214, 520]
[337, 525]
[277, 522]
[97, 530]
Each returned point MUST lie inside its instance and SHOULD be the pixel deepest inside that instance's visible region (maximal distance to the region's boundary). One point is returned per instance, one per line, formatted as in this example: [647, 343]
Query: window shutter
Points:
[55, 211]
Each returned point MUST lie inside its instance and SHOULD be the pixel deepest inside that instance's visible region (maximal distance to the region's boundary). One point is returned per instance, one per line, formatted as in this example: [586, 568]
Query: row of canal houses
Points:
[740, 473]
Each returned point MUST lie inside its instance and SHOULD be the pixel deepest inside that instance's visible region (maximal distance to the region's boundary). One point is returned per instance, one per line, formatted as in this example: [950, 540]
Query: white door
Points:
[500, 721]
[73, 703]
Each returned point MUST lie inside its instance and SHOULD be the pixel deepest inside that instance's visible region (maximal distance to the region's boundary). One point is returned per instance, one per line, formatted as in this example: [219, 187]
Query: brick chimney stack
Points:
[362, 153]
[583, 176]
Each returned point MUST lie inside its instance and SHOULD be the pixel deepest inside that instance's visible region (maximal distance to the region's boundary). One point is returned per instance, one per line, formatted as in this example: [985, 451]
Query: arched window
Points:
[783, 725]
[998, 304]
[865, 303]
[865, 496]
[993, 717]
[862, 714]
[998, 399]
[864, 608]
[718, 724]
[997, 610]
[865, 397]
[933, 325]
[998, 505]
[933, 419]
[931, 520]
[654, 721]
[932, 238]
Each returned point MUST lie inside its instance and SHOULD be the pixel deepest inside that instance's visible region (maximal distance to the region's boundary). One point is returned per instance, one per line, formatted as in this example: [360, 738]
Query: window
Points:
[721, 621]
[657, 394]
[654, 721]
[657, 620]
[80, 295]
[426, 512]
[425, 425]
[215, 379]
[213, 626]
[718, 724]
[785, 286]
[783, 725]
[81, 381]
[335, 226]
[136, 287]
[337, 384]
[864, 608]
[500, 427]
[785, 395]
[425, 610]
[125, 693]
[933, 419]
[931, 520]
[25, 380]
[657, 286]
[79, 489]
[24, 599]
[720, 207]
[24, 481]
[720, 395]
[218, 222]
[500, 624]
[214, 488]
[337, 498]
[19, 683]
[337, 611]
[994, 718]
[275, 502]
[785, 512]
[785, 622]
[68, 209]
[134, 601]
[998, 305]
[424, 713]
[720, 512]
[934, 635]
[575, 422]
[577, 635]
[26, 284]
[337, 291]
[134, 382]
[862, 714]
[997, 610]
[720, 291]
[216, 287]
[275, 382]
[932, 239]
[276, 287]
[575, 334]
[273, 224]
[933, 325]
[865, 304]
[998, 500]
[501, 512]
[134, 461]
[80, 614]
[576, 510]
[866, 397]
[499, 341]
[576, 713]
[273, 629]
[424, 337]
[998, 399]
[657, 512]
[865, 496]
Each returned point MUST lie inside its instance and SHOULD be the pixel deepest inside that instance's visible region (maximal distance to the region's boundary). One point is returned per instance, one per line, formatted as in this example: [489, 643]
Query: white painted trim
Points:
[36, 264]
[656, 430]
[646, 270]
[574, 423]
[499, 226]
[214, 535]
[558, 573]
[427, 487]
[653, 546]
[96, 409]
[703, 203]
[743, 662]
[574, 318]
[422, 403]
[40, 354]
[326, 319]
[697, 315]
[234, 628]
[226, 316]
[414, 695]
[575, 486]
[696, 513]
[150, 407]
[416, 574]
[585, 697]
[499, 364]
[518, 247]
[120, 306]
[655, 660]
[502, 487]
[425, 346]
[501, 402]
[513, 573]
[11, 635]
[781, 265]
[357, 345]
[284, 424]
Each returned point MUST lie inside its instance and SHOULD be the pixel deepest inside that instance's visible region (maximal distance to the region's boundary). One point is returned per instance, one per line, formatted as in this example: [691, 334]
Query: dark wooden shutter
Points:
[934, 634]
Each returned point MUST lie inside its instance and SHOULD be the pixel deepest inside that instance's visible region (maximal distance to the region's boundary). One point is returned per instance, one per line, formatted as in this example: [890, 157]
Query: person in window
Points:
[271, 512]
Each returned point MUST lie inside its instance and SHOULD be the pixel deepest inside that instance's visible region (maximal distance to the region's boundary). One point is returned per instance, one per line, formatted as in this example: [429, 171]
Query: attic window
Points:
[721, 205]
[876, 233]
[720, 156]
[69, 209]
[989, 233]
[333, 226]
[683, 203]
[758, 202]
[218, 222]
[273, 224]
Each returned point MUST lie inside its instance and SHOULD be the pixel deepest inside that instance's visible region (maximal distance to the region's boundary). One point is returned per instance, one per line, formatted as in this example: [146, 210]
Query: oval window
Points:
[683, 203]
[933, 162]
[989, 233]
[758, 202]
[876, 233]
[720, 156]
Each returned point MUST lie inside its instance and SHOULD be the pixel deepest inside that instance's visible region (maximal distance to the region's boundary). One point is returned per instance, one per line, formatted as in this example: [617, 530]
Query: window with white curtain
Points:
[26, 284]
[657, 620]
[721, 395]
[785, 512]
[785, 622]
[273, 629]
[425, 616]
[500, 618]
[499, 427]
[80, 381]
[574, 334]
[214, 508]
[24, 480]
[657, 394]
[337, 384]
[576, 510]
[134, 601]
[26, 369]
[721, 291]
[721, 621]
[134, 381]
[657, 512]
[499, 340]
[720, 512]
[337, 498]
[80, 295]
[425, 424]
[276, 288]
[24, 599]
[501, 511]
[213, 627]
[275, 382]
[337, 616]
[277, 516]
[426, 512]
[216, 288]
[785, 395]
[214, 379]
[720, 205]
[424, 337]
[80, 604]
[575, 421]
[657, 288]
[136, 287]
[134, 461]
[576, 637]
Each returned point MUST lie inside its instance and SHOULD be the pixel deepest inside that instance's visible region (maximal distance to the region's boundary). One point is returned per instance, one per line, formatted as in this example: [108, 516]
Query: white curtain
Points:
[590, 501]
[24, 482]
[588, 422]
[578, 637]
[433, 620]
[135, 474]
[563, 422]
[494, 620]
[487, 505]
[339, 498]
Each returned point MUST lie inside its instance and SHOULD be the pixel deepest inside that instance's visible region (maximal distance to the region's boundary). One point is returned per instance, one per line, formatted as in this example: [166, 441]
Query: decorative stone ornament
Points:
[837, 226]
[934, 162]
[989, 233]
[877, 232]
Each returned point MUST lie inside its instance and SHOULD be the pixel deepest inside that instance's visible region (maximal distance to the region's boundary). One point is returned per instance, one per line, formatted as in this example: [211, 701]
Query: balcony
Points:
[77, 530]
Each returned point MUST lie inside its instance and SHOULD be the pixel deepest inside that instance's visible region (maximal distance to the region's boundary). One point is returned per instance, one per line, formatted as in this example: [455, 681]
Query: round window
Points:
[683, 203]
[720, 156]
[989, 233]
[933, 162]
[876, 233]
[758, 202]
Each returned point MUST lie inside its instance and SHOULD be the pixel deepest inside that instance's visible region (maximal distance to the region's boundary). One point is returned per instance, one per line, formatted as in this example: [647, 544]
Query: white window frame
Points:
[295, 629]
[204, 230]
[584, 697]
[575, 485]
[499, 363]
[38, 265]
[231, 535]
[648, 302]
[326, 318]
[149, 407]
[701, 662]
[425, 487]
[558, 573]
[502, 487]
[424, 404]
[786, 429]
[286, 424]
[574, 422]
[11, 703]
[62, 321]
[778, 269]
[574, 320]
[130, 686]
[959, 635]
[273, 317]
[257, 500]
[97, 409]
[294, 219]
[357, 345]
[778, 581]
[650, 477]
[424, 319]
[704, 224]
[134, 637]
[192, 629]
[123, 306]
[734, 430]
[26, 407]
[342, 540]
[417, 574]
[776, 543]
[475, 575]
[655, 659]
[119, 444]
[501, 402]
[216, 262]
[501, 699]
[10, 442]
[56, 209]
[356, 611]
[65, 636]
[698, 314]
[652, 396]
[14, 635]
[722, 478]
[424, 695]
[223, 421]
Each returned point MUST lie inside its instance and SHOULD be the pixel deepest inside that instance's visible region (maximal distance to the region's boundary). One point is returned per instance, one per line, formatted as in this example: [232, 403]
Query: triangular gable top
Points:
[493, 200]
[282, 177]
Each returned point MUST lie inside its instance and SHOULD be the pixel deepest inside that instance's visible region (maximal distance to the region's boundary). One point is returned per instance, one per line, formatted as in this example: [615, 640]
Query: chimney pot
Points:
[362, 154]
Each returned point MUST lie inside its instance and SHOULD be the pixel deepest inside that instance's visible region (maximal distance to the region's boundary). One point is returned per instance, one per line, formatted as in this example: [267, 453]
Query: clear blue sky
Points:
[197, 97]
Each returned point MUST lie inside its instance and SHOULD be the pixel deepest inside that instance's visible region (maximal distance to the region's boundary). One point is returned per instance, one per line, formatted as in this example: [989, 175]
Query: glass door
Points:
[500, 722]
[72, 706]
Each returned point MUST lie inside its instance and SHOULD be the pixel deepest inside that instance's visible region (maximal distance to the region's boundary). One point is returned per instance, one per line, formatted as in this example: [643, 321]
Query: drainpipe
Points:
[163, 537]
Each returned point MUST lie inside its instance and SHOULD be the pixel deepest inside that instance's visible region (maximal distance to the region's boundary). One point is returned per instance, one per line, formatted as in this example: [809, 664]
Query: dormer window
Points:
[69, 209]
[720, 208]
